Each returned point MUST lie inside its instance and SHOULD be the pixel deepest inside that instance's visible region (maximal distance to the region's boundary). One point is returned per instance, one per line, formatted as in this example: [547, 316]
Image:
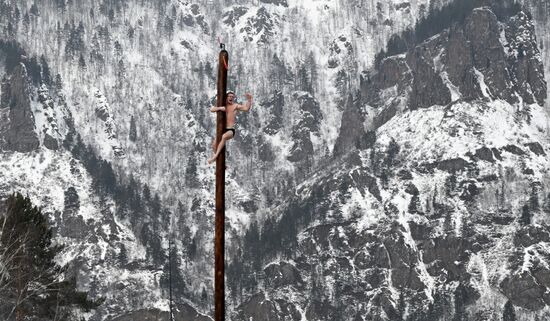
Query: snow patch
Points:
[481, 81]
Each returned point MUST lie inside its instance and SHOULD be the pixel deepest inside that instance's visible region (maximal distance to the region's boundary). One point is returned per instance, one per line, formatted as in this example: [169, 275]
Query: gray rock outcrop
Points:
[483, 58]
[17, 127]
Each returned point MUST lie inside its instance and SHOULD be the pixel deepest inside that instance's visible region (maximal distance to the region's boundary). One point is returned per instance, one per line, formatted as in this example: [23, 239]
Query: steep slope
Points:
[540, 11]
[106, 64]
[154, 61]
[444, 213]
[107, 247]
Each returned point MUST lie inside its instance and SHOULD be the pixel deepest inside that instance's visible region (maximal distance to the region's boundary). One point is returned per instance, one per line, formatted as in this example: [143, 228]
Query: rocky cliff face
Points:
[482, 58]
[539, 11]
[420, 222]
[18, 132]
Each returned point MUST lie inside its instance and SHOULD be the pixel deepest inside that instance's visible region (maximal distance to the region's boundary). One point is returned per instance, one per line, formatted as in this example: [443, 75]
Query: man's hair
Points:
[230, 92]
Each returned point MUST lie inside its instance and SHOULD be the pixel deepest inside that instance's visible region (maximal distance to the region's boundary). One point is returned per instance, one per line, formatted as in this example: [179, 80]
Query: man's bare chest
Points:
[231, 110]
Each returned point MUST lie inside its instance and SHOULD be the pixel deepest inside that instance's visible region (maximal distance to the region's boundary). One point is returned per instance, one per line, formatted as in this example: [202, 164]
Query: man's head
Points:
[230, 97]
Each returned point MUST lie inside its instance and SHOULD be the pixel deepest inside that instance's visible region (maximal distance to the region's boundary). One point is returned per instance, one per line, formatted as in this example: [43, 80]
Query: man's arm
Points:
[246, 107]
[214, 109]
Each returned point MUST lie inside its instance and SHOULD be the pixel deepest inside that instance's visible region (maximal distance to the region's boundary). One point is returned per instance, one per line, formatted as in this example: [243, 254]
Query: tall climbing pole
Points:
[219, 247]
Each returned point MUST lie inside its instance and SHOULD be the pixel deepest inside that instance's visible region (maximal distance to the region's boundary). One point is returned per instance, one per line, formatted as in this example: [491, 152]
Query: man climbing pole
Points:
[230, 110]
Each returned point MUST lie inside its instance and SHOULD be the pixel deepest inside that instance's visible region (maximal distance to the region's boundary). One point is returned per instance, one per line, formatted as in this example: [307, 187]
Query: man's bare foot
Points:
[211, 160]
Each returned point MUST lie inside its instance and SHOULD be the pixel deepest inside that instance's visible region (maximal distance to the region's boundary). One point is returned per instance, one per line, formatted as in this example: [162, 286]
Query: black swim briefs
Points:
[230, 129]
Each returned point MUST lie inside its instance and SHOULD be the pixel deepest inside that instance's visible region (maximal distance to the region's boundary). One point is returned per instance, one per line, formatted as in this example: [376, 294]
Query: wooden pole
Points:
[219, 247]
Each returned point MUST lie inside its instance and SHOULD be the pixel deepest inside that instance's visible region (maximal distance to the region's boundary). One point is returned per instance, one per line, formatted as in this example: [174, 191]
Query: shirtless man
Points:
[230, 109]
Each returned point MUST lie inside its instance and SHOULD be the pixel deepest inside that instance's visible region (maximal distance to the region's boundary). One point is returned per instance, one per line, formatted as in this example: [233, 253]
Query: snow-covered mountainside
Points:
[393, 165]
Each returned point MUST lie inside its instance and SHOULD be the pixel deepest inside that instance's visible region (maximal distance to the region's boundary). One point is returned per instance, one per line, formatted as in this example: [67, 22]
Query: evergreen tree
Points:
[204, 296]
[173, 12]
[391, 152]
[172, 278]
[134, 196]
[82, 62]
[209, 70]
[46, 74]
[534, 199]
[16, 13]
[169, 26]
[118, 49]
[26, 21]
[450, 184]
[526, 215]
[448, 223]
[31, 283]
[414, 205]
[34, 9]
[107, 178]
[374, 160]
[80, 30]
[191, 179]
[103, 8]
[268, 238]
[121, 70]
[233, 277]
[75, 43]
[71, 200]
[12, 53]
[123, 255]
[58, 83]
[192, 249]
[10, 31]
[278, 74]
[66, 28]
[509, 313]
[497, 198]
[146, 192]
[131, 32]
[396, 45]
[34, 71]
[69, 140]
[78, 148]
[111, 15]
[460, 297]
[252, 245]
[133, 132]
[155, 205]
[61, 5]
[304, 80]
[313, 74]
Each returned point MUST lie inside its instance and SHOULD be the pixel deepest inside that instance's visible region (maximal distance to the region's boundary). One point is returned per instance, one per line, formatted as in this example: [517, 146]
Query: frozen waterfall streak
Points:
[219, 246]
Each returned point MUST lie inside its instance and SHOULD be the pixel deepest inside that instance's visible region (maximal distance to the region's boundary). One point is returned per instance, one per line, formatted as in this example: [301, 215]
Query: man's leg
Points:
[228, 135]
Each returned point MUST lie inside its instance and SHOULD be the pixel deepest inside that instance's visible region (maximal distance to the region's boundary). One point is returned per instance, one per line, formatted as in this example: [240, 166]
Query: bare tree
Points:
[31, 283]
